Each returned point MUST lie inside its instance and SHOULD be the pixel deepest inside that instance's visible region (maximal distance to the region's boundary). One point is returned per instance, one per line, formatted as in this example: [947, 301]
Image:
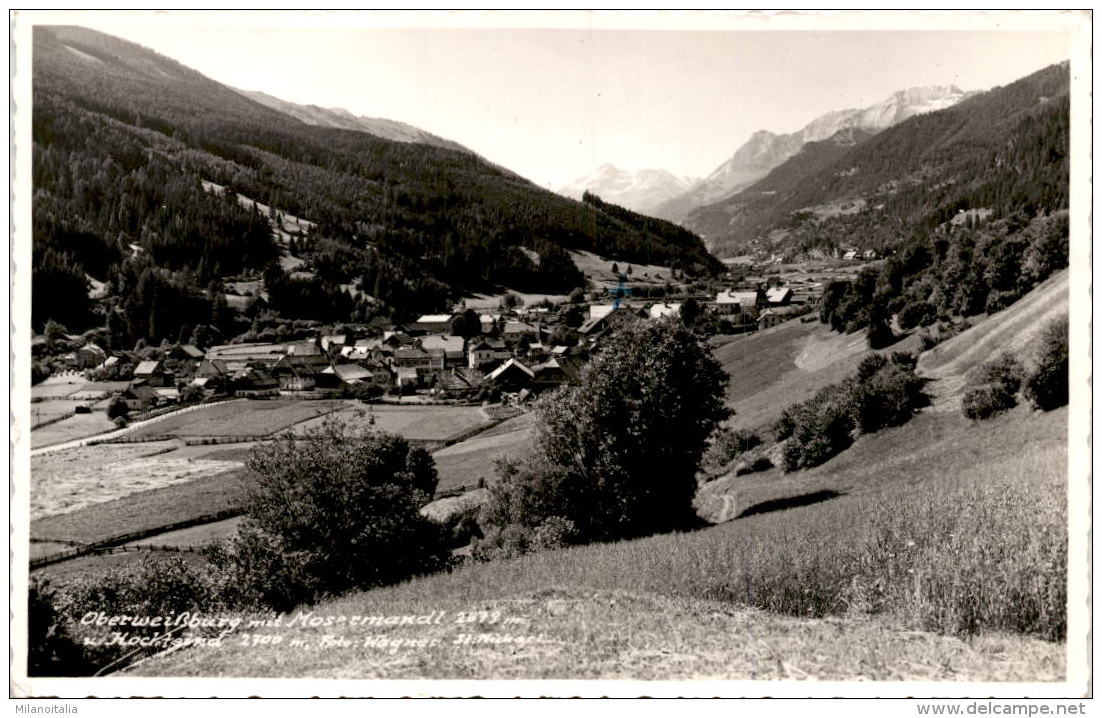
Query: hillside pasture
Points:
[66, 385]
[416, 423]
[78, 426]
[780, 366]
[598, 270]
[43, 411]
[616, 635]
[56, 387]
[492, 302]
[1014, 329]
[908, 578]
[464, 463]
[239, 418]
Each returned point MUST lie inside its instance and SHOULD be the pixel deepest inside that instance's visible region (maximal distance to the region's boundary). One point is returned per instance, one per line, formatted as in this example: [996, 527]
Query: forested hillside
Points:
[669, 233]
[123, 138]
[1005, 150]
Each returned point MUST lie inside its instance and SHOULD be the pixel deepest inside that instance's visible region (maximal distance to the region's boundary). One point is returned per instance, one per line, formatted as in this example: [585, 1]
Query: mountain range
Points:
[766, 150]
[640, 191]
[1004, 150]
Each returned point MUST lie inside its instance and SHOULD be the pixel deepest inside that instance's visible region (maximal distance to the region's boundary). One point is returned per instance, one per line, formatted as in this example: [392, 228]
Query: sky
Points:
[555, 103]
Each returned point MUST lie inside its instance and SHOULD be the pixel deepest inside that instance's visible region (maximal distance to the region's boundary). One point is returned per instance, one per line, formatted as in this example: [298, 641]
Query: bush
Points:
[753, 465]
[1046, 387]
[888, 396]
[265, 575]
[885, 391]
[821, 428]
[983, 402]
[117, 408]
[726, 445]
[878, 333]
[331, 511]
[998, 300]
[51, 651]
[992, 388]
[154, 586]
[917, 314]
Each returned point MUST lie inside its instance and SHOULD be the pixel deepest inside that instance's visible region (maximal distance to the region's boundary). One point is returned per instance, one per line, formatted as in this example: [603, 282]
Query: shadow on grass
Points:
[790, 502]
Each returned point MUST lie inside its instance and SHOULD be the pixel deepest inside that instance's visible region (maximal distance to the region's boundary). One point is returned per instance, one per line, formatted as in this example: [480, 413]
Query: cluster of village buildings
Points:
[511, 353]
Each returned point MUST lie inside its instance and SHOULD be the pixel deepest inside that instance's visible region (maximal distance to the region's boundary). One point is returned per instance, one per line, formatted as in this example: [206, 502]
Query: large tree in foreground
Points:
[617, 455]
[333, 509]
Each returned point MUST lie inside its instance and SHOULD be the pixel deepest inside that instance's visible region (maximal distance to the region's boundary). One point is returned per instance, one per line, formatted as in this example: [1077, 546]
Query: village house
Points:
[140, 398]
[407, 376]
[511, 376]
[778, 296]
[805, 297]
[183, 360]
[731, 302]
[516, 332]
[344, 374]
[255, 382]
[437, 359]
[368, 350]
[237, 356]
[596, 326]
[488, 322]
[210, 368]
[299, 373]
[413, 366]
[486, 350]
[90, 355]
[596, 311]
[451, 346]
[536, 350]
[303, 348]
[554, 372]
[775, 315]
[186, 353]
[459, 383]
[153, 373]
[396, 338]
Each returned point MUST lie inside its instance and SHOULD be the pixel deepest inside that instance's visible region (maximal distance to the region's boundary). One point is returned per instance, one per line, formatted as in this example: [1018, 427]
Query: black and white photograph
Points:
[565, 353]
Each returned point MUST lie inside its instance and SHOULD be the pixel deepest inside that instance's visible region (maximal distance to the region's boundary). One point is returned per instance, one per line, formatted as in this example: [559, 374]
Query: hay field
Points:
[65, 481]
[239, 418]
[413, 422]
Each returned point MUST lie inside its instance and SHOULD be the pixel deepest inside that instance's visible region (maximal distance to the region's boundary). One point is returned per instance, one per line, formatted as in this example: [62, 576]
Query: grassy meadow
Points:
[938, 565]
[238, 418]
[416, 423]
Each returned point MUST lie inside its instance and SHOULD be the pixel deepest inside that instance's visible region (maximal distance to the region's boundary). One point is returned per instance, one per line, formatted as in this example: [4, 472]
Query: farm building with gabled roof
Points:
[512, 374]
